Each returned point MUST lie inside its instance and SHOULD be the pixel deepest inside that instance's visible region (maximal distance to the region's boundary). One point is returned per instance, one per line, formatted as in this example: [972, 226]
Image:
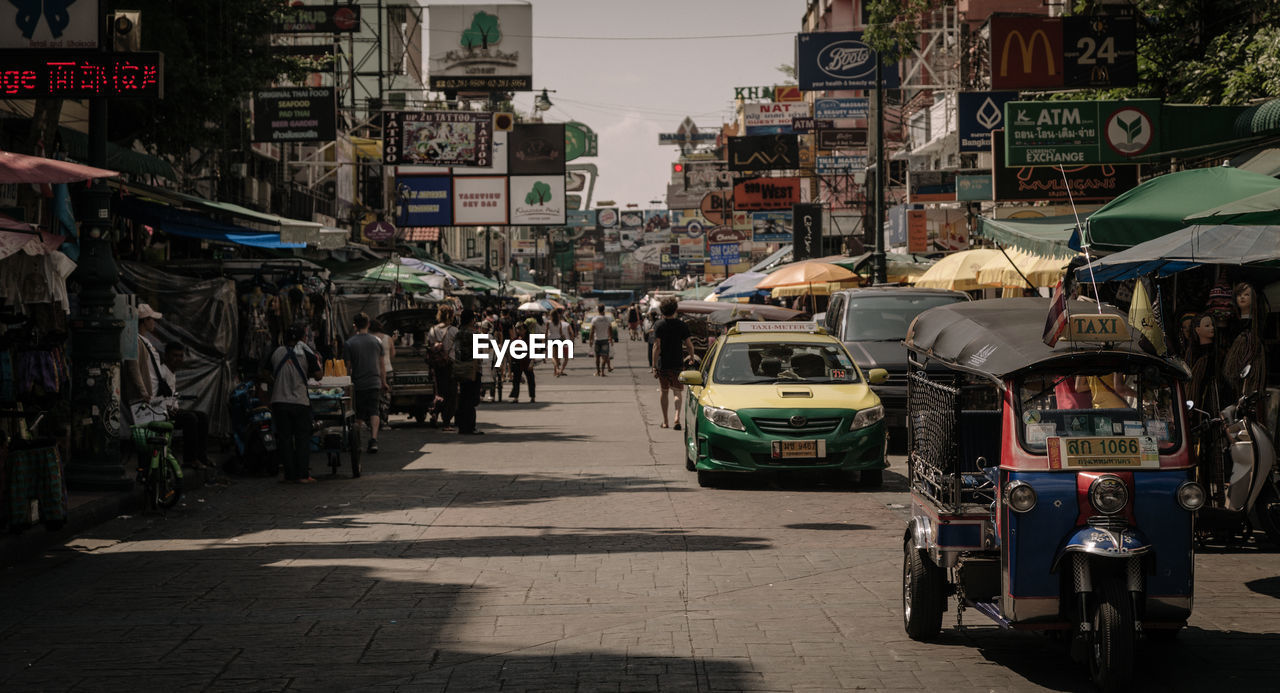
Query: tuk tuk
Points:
[1052, 487]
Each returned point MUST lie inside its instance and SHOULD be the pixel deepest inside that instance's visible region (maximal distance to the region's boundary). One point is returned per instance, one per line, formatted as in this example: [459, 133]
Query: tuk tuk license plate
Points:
[799, 449]
[1108, 451]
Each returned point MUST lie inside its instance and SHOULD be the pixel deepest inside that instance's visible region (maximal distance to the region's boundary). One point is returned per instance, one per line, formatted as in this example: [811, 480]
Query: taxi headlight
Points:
[866, 417]
[724, 418]
[1108, 494]
[1190, 496]
[1020, 497]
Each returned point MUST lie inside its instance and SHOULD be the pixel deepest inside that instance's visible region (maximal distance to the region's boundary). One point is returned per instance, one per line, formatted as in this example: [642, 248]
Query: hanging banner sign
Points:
[764, 153]
[839, 60]
[295, 115]
[316, 19]
[1088, 183]
[442, 138]
[480, 47]
[978, 113]
[772, 118]
[808, 231]
[917, 231]
[771, 227]
[843, 138]
[841, 109]
[766, 193]
[424, 200]
[1049, 133]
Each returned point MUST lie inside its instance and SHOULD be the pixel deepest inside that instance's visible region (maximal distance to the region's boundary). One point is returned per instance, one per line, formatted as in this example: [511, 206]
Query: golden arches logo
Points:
[1026, 47]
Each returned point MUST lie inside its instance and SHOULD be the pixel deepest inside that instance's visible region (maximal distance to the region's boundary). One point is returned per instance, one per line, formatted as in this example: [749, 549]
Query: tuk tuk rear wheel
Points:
[923, 594]
[1112, 647]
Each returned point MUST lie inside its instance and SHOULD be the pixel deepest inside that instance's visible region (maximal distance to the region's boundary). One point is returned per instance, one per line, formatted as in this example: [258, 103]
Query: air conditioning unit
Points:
[396, 100]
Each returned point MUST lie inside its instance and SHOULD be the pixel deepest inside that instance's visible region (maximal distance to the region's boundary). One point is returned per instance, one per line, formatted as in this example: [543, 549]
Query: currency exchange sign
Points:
[1052, 133]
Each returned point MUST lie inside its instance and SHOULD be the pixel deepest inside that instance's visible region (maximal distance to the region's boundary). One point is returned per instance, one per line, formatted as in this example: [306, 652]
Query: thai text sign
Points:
[772, 118]
[842, 138]
[81, 74]
[443, 138]
[1088, 183]
[480, 47]
[766, 193]
[838, 60]
[294, 115]
[1049, 133]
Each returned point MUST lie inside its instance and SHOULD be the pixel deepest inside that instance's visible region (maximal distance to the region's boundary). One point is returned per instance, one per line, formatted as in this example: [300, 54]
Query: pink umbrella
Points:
[21, 168]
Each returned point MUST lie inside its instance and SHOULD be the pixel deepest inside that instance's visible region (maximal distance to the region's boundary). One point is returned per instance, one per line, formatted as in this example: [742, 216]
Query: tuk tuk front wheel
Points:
[923, 594]
[1112, 648]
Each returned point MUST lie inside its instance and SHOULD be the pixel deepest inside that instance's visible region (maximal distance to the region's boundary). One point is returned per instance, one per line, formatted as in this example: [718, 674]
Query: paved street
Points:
[567, 549]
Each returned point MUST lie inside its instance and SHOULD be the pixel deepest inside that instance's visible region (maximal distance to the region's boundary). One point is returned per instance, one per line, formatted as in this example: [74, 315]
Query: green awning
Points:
[1158, 206]
[1044, 236]
[1264, 161]
[525, 287]
[1262, 119]
[118, 158]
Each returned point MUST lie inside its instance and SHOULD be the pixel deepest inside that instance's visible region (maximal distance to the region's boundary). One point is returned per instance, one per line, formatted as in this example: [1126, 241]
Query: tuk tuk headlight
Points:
[1108, 494]
[1020, 496]
[1190, 496]
[867, 416]
[724, 418]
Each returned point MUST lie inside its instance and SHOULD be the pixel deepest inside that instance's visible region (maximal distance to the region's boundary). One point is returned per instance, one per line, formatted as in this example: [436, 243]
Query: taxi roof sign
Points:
[780, 326]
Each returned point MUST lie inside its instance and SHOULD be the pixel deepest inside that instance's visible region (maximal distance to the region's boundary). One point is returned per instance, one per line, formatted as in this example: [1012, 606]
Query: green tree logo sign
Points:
[539, 195]
[484, 32]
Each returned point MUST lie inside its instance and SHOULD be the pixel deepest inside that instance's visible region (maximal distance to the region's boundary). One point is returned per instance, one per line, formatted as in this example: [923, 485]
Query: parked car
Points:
[773, 396]
[872, 322]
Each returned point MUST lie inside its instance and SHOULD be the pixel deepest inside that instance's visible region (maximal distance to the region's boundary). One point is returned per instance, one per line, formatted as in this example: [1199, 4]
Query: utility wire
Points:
[652, 38]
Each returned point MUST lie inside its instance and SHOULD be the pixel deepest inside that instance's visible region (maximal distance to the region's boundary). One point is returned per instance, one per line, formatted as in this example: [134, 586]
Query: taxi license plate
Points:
[792, 449]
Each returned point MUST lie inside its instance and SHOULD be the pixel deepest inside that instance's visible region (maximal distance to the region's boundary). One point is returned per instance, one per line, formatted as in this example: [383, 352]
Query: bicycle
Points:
[158, 470]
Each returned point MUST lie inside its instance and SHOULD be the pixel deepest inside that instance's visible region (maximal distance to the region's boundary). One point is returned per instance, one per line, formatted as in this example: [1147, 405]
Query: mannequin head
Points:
[1203, 328]
[1186, 326]
[1244, 299]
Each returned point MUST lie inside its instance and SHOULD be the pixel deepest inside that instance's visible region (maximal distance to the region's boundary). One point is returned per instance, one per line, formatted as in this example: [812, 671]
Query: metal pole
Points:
[879, 273]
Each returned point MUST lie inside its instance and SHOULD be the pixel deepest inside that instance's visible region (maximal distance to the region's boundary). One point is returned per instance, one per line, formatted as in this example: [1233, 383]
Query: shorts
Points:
[634, 325]
[602, 347]
[669, 379]
[366, 403]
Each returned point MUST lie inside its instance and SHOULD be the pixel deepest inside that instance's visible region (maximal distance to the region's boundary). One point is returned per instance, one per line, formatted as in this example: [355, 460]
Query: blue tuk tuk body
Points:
[1052, 487]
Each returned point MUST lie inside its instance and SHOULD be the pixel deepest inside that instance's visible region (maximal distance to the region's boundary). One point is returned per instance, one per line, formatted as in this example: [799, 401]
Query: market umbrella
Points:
[1190, 247]
[696, 292]
[1263, 208]
[958, 271]
[804, 274]
[1018, 268]
[21, 168]
[757, 311]
[409, 280]
[532, 307]
[741, 284]
[1159, 206]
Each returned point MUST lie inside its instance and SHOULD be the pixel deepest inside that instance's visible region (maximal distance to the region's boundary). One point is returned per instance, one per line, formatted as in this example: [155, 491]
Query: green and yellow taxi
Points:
[782, 396]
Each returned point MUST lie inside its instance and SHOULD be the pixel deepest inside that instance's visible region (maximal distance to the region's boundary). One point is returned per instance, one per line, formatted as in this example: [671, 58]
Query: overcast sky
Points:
[630, 90]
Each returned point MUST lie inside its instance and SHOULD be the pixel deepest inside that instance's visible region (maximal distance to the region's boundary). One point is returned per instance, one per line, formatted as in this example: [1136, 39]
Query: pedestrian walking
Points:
[440, 350]
[466, 371]
[672, 346]
[291, 365]
[650, 321]
[633, 322]
[363, 354]
[522, 366]
[388, 351]
[601, 336]
[558, 329]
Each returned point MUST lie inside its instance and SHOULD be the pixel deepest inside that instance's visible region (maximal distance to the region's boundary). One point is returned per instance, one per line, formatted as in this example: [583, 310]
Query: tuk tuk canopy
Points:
[996, 338]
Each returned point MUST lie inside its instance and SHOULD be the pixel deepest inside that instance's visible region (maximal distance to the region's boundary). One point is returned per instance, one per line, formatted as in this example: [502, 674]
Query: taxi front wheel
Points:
[707, 479]
[871, 478]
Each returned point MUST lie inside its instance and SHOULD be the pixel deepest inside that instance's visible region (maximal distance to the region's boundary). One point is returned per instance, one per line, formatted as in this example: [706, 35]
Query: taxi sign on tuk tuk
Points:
[1095, 327]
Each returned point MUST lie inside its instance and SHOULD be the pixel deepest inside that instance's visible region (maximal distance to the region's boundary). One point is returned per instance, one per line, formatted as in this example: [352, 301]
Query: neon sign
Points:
[81, 74]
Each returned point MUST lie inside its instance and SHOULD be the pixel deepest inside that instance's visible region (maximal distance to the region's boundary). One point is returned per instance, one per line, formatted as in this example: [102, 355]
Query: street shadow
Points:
[806, 481]
[278, 617]
[1267, 586]
[829, 526]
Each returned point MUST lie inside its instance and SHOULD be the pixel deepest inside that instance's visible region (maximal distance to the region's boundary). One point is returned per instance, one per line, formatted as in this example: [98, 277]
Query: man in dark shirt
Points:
[671, 344]
[363, 354]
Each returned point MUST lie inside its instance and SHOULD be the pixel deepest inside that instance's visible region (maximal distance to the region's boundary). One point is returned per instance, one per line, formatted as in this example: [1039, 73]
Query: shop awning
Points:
[118, 158]
[1044, 236]
[181, 222]
[1190, 247]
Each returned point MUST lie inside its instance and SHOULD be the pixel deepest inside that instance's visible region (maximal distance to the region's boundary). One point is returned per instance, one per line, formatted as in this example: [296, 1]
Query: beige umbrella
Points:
[958, 271]
[809, 277]
[1009, 272]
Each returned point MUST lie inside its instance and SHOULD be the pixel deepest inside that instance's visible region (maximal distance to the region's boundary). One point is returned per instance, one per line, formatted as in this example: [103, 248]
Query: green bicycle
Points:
[158, 470]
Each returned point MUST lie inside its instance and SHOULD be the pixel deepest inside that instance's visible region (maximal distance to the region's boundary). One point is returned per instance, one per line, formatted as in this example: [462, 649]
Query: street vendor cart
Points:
[335, 428]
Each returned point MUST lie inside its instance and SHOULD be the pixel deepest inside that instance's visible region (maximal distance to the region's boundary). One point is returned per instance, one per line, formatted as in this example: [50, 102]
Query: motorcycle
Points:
[1237, 468]
[252, 431]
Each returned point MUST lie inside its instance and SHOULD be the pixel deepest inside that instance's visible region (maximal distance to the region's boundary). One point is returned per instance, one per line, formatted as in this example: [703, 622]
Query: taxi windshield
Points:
[773, 362]
[1090, 403]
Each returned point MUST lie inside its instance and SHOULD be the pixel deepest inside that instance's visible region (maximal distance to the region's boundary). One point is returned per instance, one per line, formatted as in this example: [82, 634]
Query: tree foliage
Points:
[216, 53]
[894, 27]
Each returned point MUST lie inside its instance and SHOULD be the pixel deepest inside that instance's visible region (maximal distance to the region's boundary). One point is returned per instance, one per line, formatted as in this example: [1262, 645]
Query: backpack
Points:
[437, 355]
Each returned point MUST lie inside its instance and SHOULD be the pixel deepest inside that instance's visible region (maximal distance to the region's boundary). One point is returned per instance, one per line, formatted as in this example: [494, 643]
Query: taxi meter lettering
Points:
[757, 326]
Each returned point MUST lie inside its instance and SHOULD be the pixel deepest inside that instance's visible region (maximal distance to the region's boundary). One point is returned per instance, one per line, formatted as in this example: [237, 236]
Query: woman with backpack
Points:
[440, 356]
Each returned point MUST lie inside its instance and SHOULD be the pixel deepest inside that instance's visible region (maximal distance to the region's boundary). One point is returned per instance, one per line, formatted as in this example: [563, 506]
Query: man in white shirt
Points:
[601, 336]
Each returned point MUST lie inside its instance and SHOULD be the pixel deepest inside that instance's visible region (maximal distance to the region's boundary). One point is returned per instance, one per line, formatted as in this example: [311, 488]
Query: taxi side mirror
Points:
[875, 376]
[691, 378]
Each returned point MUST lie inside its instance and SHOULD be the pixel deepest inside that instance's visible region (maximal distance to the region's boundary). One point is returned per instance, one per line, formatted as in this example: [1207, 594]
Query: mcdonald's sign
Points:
[1026, 52]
